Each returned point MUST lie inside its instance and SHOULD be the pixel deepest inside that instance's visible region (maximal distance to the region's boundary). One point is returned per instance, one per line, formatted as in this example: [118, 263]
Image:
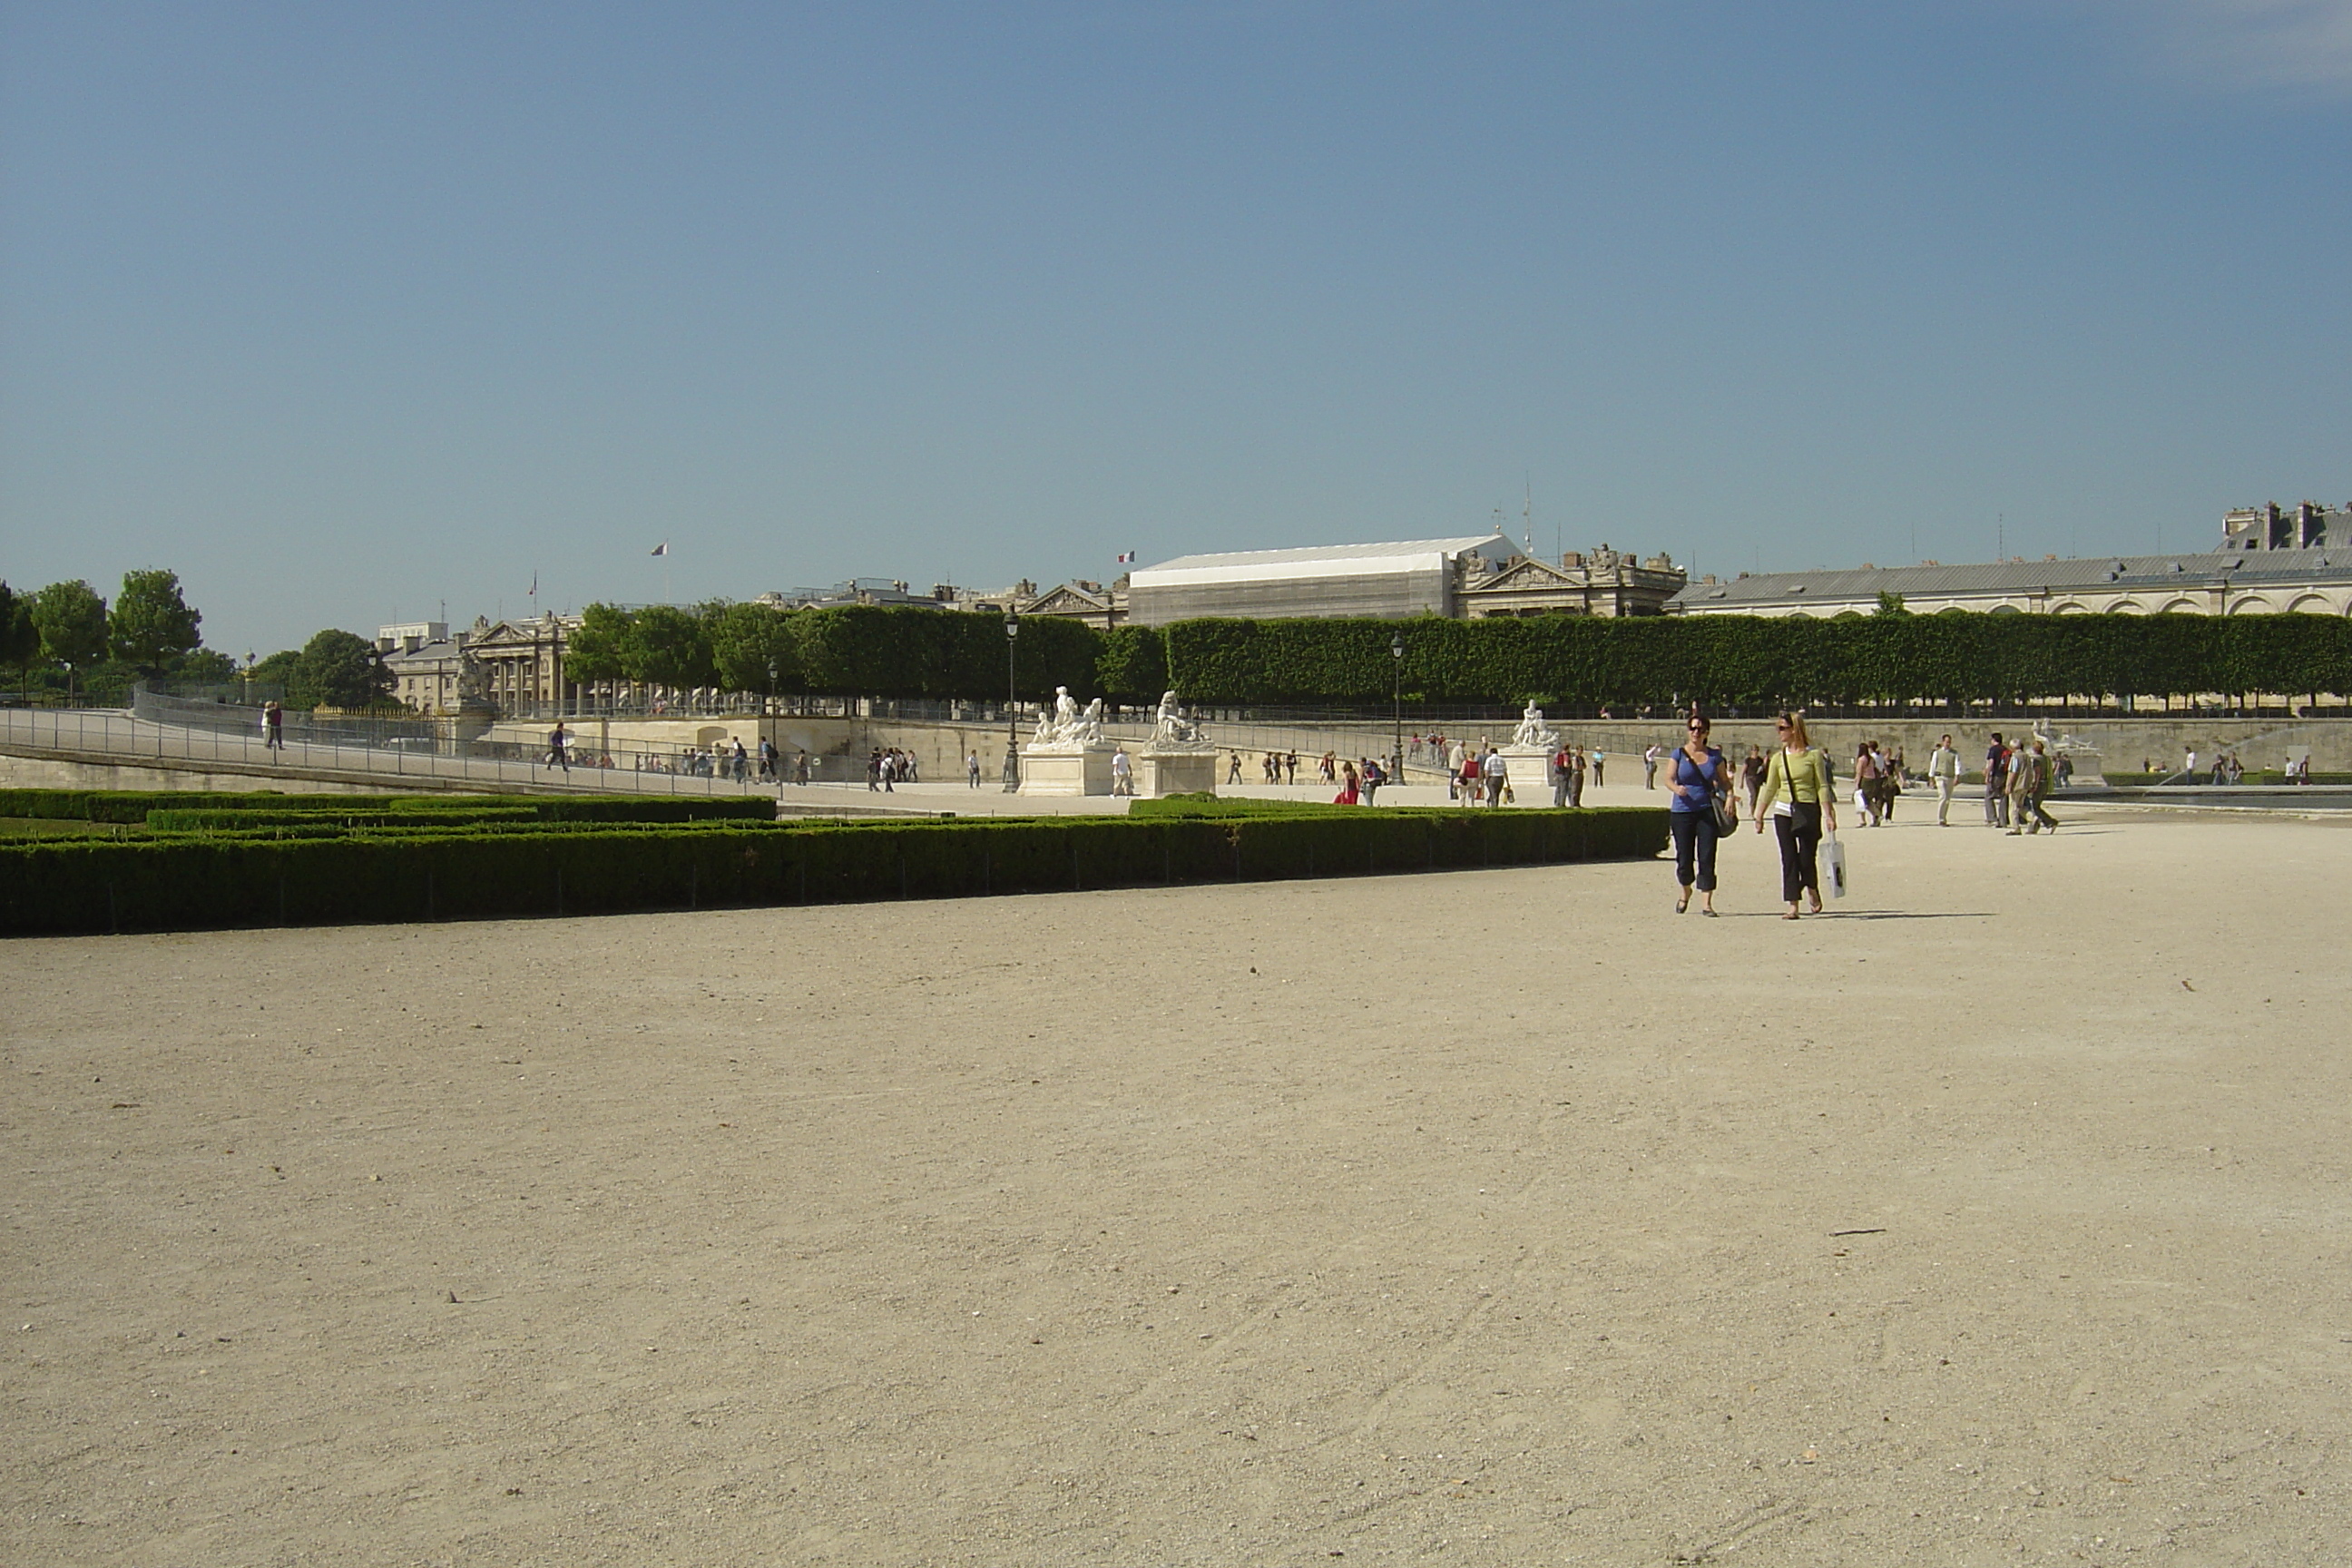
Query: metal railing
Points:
[390, 763]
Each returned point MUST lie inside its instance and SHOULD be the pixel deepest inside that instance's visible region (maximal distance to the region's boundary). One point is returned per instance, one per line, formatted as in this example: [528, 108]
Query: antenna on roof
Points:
[1527, 513]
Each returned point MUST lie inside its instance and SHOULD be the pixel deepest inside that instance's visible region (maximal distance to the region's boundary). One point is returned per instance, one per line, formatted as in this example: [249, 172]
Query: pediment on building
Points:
[1526, 572]
[1067, 600]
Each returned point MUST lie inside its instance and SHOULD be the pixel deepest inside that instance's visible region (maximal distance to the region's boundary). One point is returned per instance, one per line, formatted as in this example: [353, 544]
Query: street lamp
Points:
[1396, 693]
[1011, 735]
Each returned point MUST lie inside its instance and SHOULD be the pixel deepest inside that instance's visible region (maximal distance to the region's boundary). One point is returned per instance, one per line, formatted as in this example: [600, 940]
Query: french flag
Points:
[1126, 557]
[663, 548]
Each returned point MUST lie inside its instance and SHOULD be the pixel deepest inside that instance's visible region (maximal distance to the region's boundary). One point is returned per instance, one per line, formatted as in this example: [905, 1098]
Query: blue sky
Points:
[345, 312]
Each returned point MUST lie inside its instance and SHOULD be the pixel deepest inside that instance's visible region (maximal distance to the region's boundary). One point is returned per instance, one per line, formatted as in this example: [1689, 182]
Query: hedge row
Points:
[134, 806]
[1573, 660]
[1755, 661]
[84, 886]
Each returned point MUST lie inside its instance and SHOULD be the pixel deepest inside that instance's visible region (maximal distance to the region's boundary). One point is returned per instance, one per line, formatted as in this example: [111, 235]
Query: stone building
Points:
[431, 671]
[2216, 583]
[2310, 526]
[1600, 581]
[1080, 600]
[521, 663]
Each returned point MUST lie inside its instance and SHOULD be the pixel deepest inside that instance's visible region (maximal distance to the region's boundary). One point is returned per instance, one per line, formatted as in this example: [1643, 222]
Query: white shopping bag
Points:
[1834, 861]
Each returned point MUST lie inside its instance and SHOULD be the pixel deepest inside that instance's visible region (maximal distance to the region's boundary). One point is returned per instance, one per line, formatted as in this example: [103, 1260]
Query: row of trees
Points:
[68, 638]
[858, 650]
[1746, 661]
[1755, 661]
[69, 628]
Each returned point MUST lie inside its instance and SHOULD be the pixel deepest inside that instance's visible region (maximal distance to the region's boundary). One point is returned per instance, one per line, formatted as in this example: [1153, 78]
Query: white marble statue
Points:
[1173, 730]
[1532, 732]
[1067, 728]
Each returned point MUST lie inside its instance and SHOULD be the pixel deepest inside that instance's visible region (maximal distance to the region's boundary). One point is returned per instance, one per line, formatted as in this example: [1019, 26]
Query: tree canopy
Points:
[71, 619]
[151, 626]
[338, 669]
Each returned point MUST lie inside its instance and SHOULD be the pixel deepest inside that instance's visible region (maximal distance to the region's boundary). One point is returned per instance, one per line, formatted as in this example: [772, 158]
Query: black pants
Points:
[1695, 839]
[1801, 834]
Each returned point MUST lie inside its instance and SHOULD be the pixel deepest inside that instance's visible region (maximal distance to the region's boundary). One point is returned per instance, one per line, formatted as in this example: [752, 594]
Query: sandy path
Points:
[1481, 1218]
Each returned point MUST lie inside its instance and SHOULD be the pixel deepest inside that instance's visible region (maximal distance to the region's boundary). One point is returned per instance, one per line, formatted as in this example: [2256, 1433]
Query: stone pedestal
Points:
[1531, 775]
[1158, 773]
[1066, 773]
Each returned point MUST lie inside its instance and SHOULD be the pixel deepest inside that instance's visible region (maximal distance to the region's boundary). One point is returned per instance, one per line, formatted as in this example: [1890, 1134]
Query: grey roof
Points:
[2092, 574]
[1313, 553]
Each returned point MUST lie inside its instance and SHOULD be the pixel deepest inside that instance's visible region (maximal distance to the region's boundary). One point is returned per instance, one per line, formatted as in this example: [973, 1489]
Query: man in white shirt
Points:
[1497, 773]
[1944, 768]
[1121, 774]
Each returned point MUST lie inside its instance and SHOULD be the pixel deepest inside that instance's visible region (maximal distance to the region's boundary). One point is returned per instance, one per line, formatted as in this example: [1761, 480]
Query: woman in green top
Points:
[1801, 799]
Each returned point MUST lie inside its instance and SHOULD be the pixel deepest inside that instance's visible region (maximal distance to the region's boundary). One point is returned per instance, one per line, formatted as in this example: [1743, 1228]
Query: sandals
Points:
[1683, 902]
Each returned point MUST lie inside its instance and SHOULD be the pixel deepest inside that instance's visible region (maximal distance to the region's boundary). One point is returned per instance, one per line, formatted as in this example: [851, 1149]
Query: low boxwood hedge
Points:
[132, 806]
[176, 883]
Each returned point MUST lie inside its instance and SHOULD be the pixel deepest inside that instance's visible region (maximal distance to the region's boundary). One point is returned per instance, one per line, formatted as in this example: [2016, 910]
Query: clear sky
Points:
[343, 311]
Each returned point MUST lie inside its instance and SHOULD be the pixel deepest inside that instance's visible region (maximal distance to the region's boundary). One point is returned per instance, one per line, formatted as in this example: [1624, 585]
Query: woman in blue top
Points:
[1696, 775]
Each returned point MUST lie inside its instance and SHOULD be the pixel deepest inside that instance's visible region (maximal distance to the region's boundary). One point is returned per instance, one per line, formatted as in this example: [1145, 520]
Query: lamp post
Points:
[1011, 734]
[1396, 693]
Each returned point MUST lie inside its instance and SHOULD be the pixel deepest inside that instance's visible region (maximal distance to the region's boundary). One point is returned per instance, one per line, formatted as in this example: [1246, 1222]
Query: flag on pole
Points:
[663, 548]
[534, 584]
[1126, 557]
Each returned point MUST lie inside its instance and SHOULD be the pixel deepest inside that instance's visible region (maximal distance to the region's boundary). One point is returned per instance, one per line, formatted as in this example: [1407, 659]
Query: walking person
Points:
[1650, 765]
[2037, 784]
[1498, 774]
[1122, 773]
[1466, 780]
[1751, 778]
[1576, 776]
[1944, 771]
[556, 754]
[273, 726]
[2019, 782]
[971, 769]
[1696, 778]
[1375, 776]
[1996, 782]
[1802, 801]
[1563, 775]
[1599, 765]
[1865, 785]
[1348, 793]
[1233, 767]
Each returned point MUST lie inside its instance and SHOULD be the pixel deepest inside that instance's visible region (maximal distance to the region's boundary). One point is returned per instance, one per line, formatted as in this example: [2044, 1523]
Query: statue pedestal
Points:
[1066, 773]
[1158, 773]
[1531, 774]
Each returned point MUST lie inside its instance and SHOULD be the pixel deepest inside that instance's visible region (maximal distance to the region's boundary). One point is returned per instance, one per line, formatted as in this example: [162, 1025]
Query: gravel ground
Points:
[1488, 1218]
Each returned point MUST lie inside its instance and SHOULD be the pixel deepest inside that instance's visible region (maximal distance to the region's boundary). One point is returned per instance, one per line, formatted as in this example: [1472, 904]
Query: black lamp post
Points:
[1011, 734]
[1396, 692]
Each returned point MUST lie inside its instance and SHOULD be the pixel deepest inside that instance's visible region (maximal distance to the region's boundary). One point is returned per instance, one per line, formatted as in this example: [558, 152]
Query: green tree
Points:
[205, 665]
[338, 669]
[1890, 604]
[277, 670]
[1133, 664]
[71, 619]
[20, 639]
[152, 625]
[598, 650]
[749, 641]
[667, 646]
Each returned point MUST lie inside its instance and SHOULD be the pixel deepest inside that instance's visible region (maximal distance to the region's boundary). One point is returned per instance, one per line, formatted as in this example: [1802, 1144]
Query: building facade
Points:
[1600, 582]
[2220, 583]
[521, 662]
[2310, 526]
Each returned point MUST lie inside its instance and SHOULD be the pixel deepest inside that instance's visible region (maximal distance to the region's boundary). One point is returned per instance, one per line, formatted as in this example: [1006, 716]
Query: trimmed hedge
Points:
[132, 806]
[68, 887]
[1755, 661]
[184, 820]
